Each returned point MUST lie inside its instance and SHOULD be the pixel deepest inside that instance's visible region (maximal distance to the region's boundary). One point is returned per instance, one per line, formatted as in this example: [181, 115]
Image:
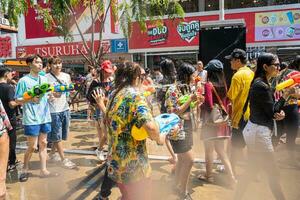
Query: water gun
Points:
[197, 79]
[294, 79]
[37, 90]
[183, 99]
[166, 123]
[65, 88]
[150, 90]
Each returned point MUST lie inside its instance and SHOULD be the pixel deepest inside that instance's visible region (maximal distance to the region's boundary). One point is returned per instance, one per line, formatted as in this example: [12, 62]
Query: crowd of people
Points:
[243, 115]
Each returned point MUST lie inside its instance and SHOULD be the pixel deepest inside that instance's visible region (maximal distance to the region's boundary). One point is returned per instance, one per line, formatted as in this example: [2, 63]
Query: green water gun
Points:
[37, 90]
[183, 99]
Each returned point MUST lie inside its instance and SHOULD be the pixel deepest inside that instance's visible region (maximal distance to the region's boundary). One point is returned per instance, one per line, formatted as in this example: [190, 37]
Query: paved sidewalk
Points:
[84, 182]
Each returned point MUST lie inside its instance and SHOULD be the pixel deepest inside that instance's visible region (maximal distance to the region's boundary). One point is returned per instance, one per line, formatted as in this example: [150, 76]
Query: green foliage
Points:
[57, 15]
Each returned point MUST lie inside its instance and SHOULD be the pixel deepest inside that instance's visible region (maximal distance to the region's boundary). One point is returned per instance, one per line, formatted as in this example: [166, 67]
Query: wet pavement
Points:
[84, 182]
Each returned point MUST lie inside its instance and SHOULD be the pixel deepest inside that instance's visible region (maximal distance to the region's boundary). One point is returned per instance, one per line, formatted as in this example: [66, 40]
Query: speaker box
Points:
[217, 42]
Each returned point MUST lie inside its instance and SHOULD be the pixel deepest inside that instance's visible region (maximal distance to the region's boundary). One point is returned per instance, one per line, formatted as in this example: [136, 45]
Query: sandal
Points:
[24, 177]
[208, 179]
[51, 174]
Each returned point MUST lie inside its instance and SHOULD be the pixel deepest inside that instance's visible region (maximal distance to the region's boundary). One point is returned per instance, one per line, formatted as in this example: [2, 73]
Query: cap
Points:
[214, 65]
[107, 66]
[237, 54]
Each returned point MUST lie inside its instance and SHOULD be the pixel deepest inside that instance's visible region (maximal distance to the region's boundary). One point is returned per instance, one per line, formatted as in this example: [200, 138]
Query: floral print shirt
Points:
[172, 105]
[4, 121]
[127, 157]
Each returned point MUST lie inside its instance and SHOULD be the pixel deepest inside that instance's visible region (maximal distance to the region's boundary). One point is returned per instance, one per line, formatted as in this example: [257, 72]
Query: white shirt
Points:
[59, 104]
[203, 75]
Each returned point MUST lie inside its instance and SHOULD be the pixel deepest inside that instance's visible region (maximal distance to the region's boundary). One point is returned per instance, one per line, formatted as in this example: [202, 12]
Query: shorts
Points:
[60, 126]
[138, 190]
[237, 138]
[36, 130]
[258, 138]
[182, 146]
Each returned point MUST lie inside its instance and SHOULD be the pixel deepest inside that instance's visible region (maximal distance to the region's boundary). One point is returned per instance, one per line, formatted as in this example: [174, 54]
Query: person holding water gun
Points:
[127, 161]
[182, 142]
[60, 111]
[288, 78]
[36, 117]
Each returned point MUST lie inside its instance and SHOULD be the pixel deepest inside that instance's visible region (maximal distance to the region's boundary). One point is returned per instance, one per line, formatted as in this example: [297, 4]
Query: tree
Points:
[57, 15]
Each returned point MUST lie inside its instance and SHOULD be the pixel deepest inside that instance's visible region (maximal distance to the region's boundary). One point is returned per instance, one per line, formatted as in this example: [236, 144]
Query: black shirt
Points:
[7, 93]
[261, 103]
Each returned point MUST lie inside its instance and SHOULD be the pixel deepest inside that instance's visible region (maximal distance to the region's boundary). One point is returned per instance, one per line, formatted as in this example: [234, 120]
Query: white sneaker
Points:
[68, 164]
[101, 154]
[54, 157]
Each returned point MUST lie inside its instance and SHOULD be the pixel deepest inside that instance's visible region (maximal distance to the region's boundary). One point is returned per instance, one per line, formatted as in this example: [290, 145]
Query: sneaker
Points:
[68, 164]
[221, 168]
[54, 157]
[101, 154]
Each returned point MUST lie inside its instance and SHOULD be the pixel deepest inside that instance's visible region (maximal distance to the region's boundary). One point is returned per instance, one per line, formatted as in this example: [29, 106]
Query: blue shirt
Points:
[33, 113]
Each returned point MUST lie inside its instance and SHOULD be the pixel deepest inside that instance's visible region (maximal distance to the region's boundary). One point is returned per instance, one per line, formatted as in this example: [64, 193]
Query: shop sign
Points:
[4, 21]
[157, 34]
[188, 30]
[282, 25]
[119, 46]
[63, 49]
[5, 47]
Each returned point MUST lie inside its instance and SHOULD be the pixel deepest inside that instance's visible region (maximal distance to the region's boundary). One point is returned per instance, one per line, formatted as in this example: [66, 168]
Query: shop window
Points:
[212, 5]
[189, 5]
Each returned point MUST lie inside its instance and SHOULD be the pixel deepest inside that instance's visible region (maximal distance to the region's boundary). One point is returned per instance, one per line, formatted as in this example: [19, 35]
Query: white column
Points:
[201, 5]
[221, 6]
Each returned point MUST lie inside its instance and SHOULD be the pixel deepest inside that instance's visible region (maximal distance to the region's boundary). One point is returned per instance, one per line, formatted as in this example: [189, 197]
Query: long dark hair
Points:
[184, 73]
[168, 70]
[217, 78]
[264, 58]
[295, 64]
[126, 73]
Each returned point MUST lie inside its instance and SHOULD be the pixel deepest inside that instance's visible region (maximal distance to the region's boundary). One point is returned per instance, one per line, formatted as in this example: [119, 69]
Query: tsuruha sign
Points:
[62, 49]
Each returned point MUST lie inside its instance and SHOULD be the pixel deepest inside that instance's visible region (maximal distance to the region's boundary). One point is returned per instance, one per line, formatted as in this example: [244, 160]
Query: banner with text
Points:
[62, 49]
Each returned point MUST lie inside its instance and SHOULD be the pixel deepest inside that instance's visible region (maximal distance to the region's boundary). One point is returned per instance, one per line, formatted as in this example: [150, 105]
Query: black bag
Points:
[244, 122]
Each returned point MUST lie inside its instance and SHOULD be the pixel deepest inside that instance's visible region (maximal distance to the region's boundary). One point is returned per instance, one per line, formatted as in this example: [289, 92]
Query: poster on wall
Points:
[188, 30]
[157, 35]
[281, 25]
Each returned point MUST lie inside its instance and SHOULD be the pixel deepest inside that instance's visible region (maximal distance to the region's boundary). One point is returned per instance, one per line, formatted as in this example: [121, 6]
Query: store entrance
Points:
[150, 60]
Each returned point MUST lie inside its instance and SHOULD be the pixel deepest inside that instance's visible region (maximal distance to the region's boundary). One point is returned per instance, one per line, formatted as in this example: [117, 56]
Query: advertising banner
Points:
[274, 25]
[5, 46]
[62, 49]
[281, 25]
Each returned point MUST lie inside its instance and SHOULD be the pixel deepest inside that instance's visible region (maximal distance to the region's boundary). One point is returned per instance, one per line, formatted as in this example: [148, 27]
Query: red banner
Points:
[5, 47]
[35, 27]
[175, 34]
[62, 49]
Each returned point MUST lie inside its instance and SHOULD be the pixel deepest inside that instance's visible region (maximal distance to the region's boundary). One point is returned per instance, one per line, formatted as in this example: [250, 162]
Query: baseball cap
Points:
[214, 65]
[237, 54]
[107, 66]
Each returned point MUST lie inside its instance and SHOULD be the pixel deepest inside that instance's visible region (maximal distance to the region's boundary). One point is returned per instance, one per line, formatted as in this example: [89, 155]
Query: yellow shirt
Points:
[238, 93]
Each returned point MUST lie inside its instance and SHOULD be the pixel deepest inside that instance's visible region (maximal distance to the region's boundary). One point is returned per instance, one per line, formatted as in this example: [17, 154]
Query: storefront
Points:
[268, 29]
[34, 39]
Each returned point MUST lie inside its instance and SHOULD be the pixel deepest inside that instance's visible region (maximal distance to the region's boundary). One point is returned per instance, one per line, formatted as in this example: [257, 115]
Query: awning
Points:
[17, 63]
[8, 29]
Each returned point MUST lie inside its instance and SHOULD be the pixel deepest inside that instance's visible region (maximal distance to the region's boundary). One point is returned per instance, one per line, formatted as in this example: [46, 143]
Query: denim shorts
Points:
[36, 130]
[60, 126]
